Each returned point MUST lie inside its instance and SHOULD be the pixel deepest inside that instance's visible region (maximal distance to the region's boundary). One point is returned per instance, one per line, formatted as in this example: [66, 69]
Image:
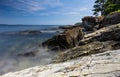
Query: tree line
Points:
[106, 7]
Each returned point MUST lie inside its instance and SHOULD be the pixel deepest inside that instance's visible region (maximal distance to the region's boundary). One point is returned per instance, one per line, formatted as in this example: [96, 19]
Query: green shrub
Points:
[118, 11]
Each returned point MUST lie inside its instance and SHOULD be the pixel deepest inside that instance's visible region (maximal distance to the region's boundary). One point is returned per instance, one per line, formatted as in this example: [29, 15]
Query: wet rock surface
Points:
[27, 54]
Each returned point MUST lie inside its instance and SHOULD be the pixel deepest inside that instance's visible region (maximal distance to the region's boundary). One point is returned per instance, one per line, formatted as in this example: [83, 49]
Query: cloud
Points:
[58, 13]
[66, 11]
[43, 7]
[71, 11]
[83, 9]
[53, 3]
[30, 5]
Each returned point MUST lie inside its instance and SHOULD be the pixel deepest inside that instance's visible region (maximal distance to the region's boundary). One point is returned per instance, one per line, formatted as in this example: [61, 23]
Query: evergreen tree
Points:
[112, 6]
[99, 7]
[106, 7]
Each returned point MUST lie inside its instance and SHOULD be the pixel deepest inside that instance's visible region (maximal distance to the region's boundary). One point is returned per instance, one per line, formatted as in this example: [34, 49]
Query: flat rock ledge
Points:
[105, 64]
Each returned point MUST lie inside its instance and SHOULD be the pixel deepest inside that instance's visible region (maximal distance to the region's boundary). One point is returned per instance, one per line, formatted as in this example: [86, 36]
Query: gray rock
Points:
[112, 19]
[105, 64]
[105, 39]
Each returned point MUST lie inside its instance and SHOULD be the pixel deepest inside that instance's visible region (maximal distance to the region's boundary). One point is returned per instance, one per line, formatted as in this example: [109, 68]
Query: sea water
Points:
[13, 44]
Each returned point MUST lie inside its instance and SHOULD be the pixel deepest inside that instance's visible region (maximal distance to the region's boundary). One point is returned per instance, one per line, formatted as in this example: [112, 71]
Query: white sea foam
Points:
[11, 63]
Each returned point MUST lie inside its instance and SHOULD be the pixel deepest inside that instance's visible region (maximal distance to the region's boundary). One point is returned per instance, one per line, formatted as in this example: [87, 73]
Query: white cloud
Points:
[31, 5]
[71, 11]
[67, 13]
[83, 9]
[58, 13]
[53, 3]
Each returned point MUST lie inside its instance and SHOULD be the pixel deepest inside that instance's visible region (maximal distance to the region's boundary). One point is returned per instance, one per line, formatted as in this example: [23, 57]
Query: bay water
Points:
[13, 44]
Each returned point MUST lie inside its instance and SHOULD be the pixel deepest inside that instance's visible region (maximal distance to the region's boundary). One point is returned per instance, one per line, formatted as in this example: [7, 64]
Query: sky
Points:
[44, 12]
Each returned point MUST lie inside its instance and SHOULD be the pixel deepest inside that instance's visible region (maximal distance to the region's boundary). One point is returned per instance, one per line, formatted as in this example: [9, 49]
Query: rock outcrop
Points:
[68, 39]
[68, 27]
[28, 54]
[91, 23]
[111, 19]
[107, 33]
[97, 65]
[26, 32]
[107, 38]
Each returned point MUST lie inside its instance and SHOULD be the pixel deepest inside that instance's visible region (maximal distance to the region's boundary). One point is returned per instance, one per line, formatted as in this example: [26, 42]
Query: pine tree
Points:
[99, 7]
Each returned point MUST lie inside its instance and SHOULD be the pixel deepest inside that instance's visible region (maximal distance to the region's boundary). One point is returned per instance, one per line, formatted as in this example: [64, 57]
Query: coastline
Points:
[21, 49]
[87, 66]
[82, 60]
[59, 38]
[86, 53]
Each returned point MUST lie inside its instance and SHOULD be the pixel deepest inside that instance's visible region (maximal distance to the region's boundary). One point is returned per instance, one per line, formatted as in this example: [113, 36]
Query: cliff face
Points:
[98, 65]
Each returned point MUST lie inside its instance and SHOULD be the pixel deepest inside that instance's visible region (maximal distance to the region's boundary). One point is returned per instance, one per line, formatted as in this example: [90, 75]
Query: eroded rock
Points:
[105, 39]
[68, 39]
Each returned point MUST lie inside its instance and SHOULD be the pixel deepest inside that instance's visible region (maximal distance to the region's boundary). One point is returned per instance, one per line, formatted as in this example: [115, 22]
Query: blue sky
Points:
[59, 12]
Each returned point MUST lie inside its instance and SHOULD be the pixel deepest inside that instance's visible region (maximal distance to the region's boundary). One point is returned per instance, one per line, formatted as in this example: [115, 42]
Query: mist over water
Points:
[11, 45]
[11, 63]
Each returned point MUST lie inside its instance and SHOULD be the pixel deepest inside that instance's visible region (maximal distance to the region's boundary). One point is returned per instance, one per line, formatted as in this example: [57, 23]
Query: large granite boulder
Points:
[68, 39]
[112, 19]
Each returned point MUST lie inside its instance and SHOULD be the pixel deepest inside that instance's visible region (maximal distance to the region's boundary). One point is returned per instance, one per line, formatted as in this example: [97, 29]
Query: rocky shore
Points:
[97, 65]
[107, 38]
[93, 53]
